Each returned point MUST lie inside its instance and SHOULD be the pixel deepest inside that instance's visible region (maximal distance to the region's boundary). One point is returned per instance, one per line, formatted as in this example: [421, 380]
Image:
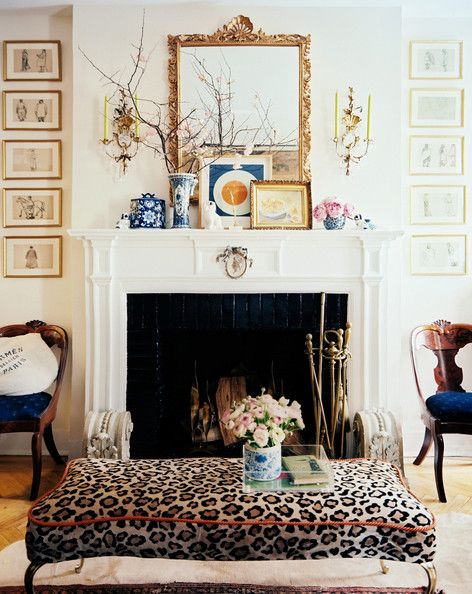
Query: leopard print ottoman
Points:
[196, 509]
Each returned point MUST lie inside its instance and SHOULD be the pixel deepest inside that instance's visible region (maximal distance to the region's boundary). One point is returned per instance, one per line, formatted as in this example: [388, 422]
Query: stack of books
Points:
[306, 470]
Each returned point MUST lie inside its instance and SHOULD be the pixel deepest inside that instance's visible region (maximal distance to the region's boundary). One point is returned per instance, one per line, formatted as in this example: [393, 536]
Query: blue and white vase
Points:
[262, 464]
[331, 223]
[147, 212]
[182, 185]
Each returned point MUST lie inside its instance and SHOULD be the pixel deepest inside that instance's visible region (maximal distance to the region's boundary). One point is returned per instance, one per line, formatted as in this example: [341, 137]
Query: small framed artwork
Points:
[438, 254]
[435, 59]
[280, 205]
[226, 183]
[31, 110]
[31, 60]
[32, 207]
[32, 159]
[32, 257]
[437, 205]
[436, 108]
[436, 155]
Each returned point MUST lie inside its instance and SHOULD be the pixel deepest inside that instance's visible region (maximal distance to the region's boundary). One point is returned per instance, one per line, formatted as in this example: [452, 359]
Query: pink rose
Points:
[261, 436]
[348, 210]
[246, 419]
[319, 212]
[334, 209]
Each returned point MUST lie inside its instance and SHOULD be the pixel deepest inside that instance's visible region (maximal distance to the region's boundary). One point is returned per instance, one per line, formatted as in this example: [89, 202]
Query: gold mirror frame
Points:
[240, 31]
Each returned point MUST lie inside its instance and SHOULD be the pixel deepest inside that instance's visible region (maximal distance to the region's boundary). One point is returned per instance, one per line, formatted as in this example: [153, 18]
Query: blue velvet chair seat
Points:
[23, 408]
[451, 406]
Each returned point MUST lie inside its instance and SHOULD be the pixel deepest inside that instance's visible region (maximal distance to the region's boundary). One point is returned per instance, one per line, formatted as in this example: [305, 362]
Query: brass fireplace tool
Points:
[330, 428]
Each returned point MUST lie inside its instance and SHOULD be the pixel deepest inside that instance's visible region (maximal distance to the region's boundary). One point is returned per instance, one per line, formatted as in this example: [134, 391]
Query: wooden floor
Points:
[15, 482]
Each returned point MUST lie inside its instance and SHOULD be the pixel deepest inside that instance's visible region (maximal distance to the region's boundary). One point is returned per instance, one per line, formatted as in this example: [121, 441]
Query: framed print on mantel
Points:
[435, 60]
[32, 207]
[437, 205]
[226, 183]
[32, 159]
[31, 110]
[436, 155]
[280, 205]
[436, 108]
[31, 60]
[32, 257]
[439, 255]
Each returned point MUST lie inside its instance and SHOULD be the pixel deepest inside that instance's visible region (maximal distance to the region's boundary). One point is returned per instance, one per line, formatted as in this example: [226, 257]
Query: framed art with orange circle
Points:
[226, 182]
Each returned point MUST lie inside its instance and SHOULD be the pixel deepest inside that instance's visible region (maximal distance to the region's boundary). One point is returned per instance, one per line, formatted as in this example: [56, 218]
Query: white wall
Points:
[44, 299]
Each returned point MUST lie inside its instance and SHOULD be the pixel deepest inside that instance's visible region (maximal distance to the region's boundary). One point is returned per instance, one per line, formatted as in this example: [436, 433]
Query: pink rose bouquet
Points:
[331, 207]
[263, 421]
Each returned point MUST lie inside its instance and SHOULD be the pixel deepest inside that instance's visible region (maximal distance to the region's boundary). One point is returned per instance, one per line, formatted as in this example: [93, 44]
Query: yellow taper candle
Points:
[336, 115]
[136, 116]
[369, 106]
[105, 119]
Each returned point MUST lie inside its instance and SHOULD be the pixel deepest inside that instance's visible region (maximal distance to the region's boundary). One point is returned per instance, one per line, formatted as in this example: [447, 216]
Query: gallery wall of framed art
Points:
[30, 164]
[434, 153]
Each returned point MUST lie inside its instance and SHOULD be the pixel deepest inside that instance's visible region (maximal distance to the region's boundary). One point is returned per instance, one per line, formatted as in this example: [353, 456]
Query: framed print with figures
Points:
[32, 207]
[437, 205]
[31, 60]
[436, 108]
[32, 257]
[32, 159]
[438, 255]
[435, 59]
[436, 155]
[280, 205]
[31, 110]
[226, 183]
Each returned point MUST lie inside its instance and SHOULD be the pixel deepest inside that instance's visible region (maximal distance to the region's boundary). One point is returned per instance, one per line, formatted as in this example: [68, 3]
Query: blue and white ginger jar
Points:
[262, 464]
[147, 212]
[332, 223]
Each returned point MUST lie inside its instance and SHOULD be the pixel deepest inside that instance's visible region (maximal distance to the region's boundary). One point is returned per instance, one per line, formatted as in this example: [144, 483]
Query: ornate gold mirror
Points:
[267, 78]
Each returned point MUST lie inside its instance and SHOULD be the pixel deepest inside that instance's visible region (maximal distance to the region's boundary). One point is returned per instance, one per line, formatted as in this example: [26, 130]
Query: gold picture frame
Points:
[32, 207]
[437, 254]
[437, 70]
[439, 207]
[29, 164]
[52, 111]
[44, 66]
[436, 160]
[241, 32]
[38, 256]
[458, 122]
[281, 205]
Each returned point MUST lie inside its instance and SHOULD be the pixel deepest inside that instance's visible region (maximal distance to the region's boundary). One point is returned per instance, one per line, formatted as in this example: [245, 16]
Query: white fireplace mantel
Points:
[119, 262]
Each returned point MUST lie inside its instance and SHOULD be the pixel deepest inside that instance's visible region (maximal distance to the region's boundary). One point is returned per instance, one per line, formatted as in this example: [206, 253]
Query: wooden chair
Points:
[450, 409]
[38, 410]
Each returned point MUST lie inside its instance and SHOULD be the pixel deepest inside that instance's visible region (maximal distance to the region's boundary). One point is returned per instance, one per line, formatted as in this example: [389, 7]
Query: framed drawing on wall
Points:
[436, 108]
[280, 205]
[32, 207]
[437, 205]
[31, 60]
[31, 110]
[32, 257]
[436, 155]
[32, 159]
[435, 59]
[438, 255]
[226, 183]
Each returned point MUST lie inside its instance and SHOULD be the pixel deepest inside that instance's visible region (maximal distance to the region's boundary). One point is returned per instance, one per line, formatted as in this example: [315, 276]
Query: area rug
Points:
[189, 588]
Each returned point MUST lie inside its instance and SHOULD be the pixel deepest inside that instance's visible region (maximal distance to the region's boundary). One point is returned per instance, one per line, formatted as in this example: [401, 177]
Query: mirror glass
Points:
[258, 86]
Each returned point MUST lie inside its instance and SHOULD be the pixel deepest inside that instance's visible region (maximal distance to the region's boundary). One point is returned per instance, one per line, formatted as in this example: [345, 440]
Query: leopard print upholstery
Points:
[196, 509]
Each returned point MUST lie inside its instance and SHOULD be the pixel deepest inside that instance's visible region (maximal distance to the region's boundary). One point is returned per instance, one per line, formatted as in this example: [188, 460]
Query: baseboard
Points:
[19, 444]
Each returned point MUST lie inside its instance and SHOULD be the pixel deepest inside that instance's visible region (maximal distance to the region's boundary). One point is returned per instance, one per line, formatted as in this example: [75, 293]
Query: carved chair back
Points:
[444, 340]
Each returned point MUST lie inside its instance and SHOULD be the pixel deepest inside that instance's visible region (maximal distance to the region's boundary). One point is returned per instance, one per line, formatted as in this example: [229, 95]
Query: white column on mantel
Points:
[119, 262]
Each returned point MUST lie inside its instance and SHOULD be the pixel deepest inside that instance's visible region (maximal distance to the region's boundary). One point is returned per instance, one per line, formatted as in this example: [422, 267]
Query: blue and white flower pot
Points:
[262, 464]
[148, 212]
[331, 223]
[182, 185]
